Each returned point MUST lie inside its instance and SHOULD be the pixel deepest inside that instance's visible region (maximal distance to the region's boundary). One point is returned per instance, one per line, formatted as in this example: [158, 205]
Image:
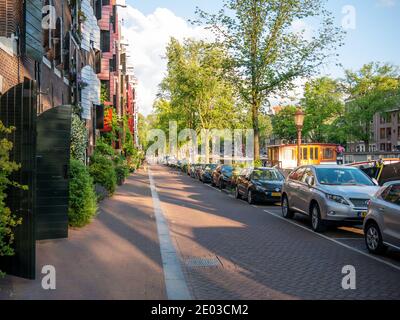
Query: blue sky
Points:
[375, 37]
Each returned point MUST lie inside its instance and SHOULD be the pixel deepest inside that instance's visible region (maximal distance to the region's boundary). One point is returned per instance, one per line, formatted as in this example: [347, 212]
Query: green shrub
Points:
[102, 171]
[102, 147]
[79, 138]
[121, 169]
[8, 220]
[82, 197]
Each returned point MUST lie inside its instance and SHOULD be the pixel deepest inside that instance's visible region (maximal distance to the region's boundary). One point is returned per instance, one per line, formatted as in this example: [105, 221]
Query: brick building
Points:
[385, 134]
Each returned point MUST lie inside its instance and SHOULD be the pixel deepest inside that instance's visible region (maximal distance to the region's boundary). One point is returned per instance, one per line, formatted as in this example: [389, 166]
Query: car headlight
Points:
[338, 199]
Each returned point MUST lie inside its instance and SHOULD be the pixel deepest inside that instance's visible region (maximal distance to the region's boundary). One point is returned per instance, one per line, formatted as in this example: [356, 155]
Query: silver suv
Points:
[382, 224]
[328, 194]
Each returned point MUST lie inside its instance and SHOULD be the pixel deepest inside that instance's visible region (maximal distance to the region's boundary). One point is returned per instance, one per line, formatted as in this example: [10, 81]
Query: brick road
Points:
[261, 256]
[226, 248]
[115, 257]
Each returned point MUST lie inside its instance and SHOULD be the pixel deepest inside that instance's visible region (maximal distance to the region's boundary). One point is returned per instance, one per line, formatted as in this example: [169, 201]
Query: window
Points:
[328, 153]
[316, 151]
[57, 42]
[105, 41]
[297, 174]
[304, 153]
[308, 173]
[382, 133]
[342, 176]
[98, 9]
[398, 132]
[392, 194]
[389, 147]
[389, 133]
[113, 64]
[311, 153]
[382, 147]
[46, 31]
[106, 2]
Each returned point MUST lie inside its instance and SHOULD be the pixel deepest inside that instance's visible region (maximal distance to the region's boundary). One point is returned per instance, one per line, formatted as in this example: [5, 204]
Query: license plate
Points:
[276, 194]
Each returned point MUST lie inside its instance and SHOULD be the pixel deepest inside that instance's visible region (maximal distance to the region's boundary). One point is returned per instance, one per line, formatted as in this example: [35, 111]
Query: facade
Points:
[385, 134]
[109, 73]
[52, 65]
[387, 131]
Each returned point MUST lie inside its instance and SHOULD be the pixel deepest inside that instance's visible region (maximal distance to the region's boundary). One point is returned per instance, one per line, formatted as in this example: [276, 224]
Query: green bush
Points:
[82, 197]
[104, 149]
[102, 171]
[79, 138]
[121, 169]
[8, 220]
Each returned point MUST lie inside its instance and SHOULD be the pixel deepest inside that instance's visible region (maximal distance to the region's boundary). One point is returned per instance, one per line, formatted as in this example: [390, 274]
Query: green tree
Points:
[283, 123]
[323, 105]
[195, 93]
[266, 53]
[375, 88]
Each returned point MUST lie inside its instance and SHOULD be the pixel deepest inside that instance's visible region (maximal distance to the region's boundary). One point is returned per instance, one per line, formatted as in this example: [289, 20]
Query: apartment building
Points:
[387, 131]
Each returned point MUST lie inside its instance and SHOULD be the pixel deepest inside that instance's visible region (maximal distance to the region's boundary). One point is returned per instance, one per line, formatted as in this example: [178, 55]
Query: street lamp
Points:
[299, 121]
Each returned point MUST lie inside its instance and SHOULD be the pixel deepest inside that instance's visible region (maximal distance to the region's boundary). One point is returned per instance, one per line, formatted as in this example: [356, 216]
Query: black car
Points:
[222, 176]
[206, 171]
[383, 171]
[260, 184]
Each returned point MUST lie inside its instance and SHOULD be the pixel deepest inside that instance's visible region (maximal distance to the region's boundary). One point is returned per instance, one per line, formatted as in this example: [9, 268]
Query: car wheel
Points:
[317, 223]
[212, 182]
[373, 239]
[237, 193]
[286, 211]
[250, 198]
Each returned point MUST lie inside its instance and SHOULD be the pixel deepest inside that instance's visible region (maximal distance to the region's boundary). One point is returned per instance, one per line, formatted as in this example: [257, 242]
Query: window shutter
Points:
[7, 18]
[33, 43]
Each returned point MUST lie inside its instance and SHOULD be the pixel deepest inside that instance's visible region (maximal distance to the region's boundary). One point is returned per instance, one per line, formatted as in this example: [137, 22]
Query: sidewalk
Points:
[116, 257]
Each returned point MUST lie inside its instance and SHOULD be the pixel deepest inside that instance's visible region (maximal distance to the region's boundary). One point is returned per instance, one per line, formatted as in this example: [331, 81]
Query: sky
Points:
[372, 35]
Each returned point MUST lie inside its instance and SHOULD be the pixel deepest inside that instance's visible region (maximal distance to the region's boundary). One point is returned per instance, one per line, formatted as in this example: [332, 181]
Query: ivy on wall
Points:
[79, 138]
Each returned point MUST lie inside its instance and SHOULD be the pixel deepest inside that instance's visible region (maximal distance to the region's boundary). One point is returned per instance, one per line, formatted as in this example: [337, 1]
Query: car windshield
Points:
[342, 176]
[227, 169]
[267, 175]
[211, 167]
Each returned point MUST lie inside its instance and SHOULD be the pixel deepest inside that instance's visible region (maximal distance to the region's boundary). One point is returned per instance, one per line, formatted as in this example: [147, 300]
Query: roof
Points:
[305, 144]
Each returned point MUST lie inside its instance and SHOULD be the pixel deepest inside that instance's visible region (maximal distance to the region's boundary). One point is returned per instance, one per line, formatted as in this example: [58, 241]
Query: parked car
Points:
[206, 171]
[329, 194]
[260, 184]
[383, 170]
[236, 173]
[382, 223]
[198, 170]
[193, 170]
[222, 175]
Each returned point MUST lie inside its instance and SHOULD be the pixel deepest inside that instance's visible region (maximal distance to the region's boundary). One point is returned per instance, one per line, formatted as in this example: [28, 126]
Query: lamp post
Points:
[299, 121]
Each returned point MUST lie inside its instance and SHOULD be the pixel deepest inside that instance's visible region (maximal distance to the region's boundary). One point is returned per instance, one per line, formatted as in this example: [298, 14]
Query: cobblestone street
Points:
[225, 249]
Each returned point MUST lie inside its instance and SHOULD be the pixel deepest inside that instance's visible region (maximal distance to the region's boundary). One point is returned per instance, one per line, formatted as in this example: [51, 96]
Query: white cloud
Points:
[387, 3]
[148, 36]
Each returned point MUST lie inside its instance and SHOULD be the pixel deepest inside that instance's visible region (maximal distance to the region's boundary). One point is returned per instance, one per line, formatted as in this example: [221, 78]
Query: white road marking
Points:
[175, 282]
[335, 241]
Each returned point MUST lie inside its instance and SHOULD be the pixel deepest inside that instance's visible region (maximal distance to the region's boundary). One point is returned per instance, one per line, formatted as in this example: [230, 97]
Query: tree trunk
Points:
[255, 110]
